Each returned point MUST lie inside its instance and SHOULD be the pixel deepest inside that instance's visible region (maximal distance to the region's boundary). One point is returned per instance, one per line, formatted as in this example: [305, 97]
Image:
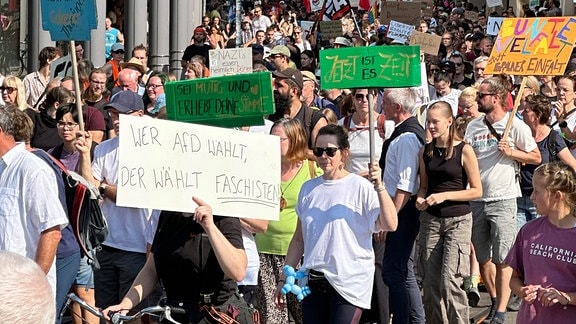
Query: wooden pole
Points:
[516, 104]
[371, 100]
[77, 85]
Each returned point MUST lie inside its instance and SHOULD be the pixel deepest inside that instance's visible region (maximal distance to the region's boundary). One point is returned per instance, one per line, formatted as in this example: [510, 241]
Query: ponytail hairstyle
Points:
[446, 111]
[560, 177]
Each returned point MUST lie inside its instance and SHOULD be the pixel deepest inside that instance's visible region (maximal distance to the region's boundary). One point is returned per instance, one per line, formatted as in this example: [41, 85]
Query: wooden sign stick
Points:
[516, 104]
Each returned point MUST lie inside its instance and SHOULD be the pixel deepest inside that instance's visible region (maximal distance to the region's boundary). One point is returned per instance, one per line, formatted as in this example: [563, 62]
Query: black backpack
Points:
[83, 209]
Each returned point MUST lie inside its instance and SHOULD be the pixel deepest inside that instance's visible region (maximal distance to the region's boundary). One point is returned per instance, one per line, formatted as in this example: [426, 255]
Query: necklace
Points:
[440, 151]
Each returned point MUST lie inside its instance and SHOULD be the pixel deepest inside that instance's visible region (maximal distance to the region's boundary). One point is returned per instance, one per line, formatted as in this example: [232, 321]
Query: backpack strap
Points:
[312, 169]
[552, 147]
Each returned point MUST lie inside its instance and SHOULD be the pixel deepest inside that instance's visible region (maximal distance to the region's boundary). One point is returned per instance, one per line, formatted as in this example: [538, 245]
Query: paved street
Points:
[481, 310]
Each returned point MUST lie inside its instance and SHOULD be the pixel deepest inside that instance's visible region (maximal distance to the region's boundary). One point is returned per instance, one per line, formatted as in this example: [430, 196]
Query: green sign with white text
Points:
[228, 101]
[370, 67]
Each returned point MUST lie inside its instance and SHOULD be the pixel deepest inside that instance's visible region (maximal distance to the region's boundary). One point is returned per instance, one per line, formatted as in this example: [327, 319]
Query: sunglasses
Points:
[360, 96]
[330, 151]
[7, 89]
[482, 95]
[458, 64]
[118, 52]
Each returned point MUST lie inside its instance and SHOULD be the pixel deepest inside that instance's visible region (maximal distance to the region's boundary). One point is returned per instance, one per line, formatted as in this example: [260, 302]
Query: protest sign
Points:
[61, 67]
[331, 29]
[69, 19]
[399, 31]
[493, 26]
[231, 101]
[230, 61]
[471, 15]
[237, 173]
[316, 5]
[373, 66]
[404, 12]
[306, 28]
[493, 3]
[533, 46]
[429, 43]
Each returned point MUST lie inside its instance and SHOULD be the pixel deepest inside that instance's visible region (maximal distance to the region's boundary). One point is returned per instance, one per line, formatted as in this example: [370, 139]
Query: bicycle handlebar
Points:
[116, 317]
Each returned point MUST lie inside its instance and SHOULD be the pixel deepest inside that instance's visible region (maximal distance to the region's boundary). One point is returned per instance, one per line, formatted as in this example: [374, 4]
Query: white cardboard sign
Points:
[493, 26]
[400, 31]
[162, 164]
[230, 61]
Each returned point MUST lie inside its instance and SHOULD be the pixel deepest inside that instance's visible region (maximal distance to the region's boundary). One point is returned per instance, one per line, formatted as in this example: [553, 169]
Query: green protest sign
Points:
[228, 101]
[370, 67]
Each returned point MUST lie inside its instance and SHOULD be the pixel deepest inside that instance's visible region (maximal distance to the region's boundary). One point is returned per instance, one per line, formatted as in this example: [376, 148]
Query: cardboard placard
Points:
[493, 3]
[370, 67]
[237, 173]
[399, 31]
[404, 12]
[230, 61]
[533, 46]
[230, 101]
[331, 29]
[471, 15]
[429, 43]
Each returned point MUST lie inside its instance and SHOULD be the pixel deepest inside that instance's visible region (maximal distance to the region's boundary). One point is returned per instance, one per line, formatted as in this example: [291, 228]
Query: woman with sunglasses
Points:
[337, 215]
[13, 92]
[273, 244]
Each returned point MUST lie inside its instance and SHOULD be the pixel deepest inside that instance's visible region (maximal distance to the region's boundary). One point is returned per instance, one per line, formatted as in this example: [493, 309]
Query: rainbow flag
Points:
[373, 13]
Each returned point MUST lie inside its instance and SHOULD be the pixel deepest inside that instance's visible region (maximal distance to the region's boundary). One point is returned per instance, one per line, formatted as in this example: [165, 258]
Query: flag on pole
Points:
[335, 9]
[364, 4]
[373, 13]
[315, 5]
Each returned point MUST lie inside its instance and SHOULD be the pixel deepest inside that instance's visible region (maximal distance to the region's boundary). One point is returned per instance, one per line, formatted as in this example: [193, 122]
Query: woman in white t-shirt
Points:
[337, 215]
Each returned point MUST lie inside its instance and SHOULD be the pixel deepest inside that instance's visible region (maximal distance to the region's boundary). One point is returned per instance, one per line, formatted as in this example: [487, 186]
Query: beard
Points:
[485, 109]
[282, 103]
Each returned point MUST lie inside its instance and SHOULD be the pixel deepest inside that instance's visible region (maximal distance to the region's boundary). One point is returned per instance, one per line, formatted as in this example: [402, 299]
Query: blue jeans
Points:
[398, 268]
[66, 270]
[526, 210]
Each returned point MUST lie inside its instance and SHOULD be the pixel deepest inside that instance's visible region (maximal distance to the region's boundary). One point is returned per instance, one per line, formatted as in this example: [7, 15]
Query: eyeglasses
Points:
[8, 89]
[361, 96]
[66, 125]
[482, 95]
[119, 52]
[297, 33]
[458, 64]
[154, 86]
[98, 82]
[330, 151]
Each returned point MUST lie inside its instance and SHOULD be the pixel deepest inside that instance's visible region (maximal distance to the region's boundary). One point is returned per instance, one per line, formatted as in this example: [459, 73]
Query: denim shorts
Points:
[85, 276]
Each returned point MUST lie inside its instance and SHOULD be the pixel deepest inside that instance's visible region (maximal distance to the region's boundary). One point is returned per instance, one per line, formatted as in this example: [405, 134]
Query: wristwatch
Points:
[563, 124]
[102, 189]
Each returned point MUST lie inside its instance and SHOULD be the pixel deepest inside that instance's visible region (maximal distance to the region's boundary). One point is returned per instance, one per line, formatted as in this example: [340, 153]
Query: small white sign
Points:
[162, 164]
[493, 3]
[400, 31]
[230, 61]
[494, 25]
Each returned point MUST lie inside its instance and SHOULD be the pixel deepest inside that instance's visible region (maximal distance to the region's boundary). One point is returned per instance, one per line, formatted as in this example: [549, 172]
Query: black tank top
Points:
[446, 175]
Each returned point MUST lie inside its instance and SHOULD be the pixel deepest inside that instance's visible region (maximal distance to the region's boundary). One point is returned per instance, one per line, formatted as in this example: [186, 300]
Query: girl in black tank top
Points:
[449, 179]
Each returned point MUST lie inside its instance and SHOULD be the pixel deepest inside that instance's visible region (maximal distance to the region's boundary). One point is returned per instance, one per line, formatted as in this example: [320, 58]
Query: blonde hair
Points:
[330, 116]
[15, 82]
[560, 177]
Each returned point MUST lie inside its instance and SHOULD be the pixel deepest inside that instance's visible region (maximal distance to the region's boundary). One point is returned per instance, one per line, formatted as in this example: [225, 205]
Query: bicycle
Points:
[161, 312]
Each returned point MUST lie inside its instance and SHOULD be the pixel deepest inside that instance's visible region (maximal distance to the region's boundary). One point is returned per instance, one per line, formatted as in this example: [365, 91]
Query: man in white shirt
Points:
[124, 251]
[260, 21]
[31, 213]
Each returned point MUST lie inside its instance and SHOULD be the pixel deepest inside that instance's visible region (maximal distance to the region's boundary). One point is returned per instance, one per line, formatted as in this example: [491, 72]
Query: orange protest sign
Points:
[533, 46]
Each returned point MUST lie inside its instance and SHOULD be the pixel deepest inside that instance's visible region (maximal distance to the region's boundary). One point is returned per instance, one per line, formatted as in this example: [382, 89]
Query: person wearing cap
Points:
[288, 86]
[112, 37]
[35, 83]
[280, 57]
[123, 252]
[112, 67]
[198, 47]
[310, 95]
[341, 41]
[140, 52]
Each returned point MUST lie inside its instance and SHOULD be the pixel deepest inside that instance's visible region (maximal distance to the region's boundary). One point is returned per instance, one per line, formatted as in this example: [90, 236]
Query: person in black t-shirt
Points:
[198, 258]
[198, 47]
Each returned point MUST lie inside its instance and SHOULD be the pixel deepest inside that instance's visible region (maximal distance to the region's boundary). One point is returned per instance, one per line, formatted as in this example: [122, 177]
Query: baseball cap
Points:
[125, 102]
[280, 49]
[309, 76]
[448, 66]
[117, 47]
[289, 73]
[474, 36]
